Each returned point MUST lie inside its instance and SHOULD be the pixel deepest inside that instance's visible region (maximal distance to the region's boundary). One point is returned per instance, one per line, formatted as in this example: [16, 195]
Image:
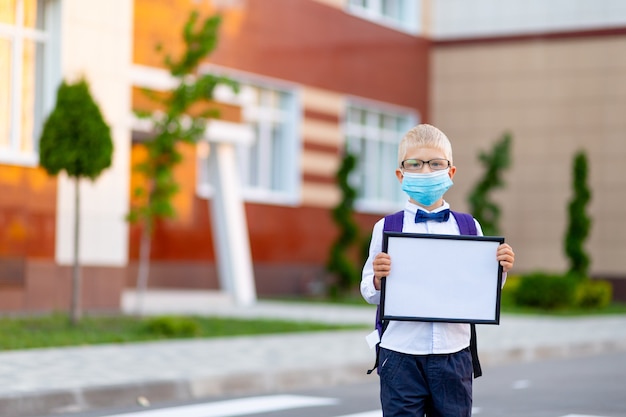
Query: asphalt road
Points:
[588, 386]
[584, 386]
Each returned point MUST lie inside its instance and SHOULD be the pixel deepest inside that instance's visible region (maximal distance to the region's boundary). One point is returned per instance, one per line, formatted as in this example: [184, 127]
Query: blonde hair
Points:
[426, 136]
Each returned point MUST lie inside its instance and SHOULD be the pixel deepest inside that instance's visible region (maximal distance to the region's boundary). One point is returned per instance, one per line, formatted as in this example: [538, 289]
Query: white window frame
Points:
[47, 77]
[376, 150]
[407, 13]
[287, 163]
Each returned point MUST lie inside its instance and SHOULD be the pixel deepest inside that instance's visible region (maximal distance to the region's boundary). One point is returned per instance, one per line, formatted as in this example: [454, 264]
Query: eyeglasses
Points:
[415, 165]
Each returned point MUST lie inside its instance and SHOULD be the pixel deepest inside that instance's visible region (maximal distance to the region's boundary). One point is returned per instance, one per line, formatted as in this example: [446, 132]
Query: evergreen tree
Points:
[340, 262]
[77, 140]
[173, 126]
[579, 223]
[482, 207]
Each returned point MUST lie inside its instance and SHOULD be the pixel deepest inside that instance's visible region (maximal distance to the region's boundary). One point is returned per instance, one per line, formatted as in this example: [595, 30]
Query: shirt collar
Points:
[412, 208]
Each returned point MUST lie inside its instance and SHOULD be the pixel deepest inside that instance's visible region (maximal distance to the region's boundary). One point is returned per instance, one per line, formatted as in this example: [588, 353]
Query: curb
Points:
[89, 398]
[520, 355]
[139, 394]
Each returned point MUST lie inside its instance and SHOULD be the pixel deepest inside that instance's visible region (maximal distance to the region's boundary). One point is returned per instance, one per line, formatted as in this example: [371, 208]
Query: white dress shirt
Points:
[415, 337]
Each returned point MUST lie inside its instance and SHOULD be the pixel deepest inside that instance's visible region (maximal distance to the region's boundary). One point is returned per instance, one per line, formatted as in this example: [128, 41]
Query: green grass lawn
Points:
[56, 330]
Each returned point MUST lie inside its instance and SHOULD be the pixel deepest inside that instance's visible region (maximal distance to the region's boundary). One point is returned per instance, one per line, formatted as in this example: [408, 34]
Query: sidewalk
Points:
[40, 382]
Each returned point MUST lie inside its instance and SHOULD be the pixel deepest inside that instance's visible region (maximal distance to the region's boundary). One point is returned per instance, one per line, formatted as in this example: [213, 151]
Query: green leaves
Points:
[177, 123]
[340, 261]
[481, 206]
[75, 137]
[579, 224]
[200, 42]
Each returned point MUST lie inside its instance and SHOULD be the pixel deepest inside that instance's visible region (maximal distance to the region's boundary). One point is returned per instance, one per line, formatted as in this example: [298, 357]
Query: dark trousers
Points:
[432, 385]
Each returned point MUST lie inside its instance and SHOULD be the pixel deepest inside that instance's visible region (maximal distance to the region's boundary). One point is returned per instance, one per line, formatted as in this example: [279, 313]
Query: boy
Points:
[424, 366]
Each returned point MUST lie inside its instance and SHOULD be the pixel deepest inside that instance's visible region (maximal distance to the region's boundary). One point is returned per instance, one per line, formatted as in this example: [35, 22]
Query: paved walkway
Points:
[44, 381]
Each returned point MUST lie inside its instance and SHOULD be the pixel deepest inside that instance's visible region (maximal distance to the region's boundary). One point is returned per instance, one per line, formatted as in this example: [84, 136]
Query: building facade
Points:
[318, 78]
[552, 74]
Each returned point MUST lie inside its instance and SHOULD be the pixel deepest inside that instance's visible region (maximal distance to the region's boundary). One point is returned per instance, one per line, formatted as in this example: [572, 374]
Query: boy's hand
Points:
[505, 256]
[382, 266]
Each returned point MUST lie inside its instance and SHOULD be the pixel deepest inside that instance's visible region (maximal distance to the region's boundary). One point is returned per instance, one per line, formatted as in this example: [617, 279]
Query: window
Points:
[373, 135]
[25, 90]
[399, 14]
[269, 166]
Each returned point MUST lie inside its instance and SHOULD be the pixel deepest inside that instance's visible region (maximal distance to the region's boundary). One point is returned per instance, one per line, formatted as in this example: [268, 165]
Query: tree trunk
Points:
[144, 267]
[76, 284]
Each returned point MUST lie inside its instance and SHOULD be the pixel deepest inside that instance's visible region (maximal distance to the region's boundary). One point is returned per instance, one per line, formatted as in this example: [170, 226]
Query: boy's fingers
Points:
[505, 250]
[382, 265]
[506, 256]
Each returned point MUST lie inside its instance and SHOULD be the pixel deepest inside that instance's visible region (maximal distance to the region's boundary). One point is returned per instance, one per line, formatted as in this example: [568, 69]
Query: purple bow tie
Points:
[440, 216]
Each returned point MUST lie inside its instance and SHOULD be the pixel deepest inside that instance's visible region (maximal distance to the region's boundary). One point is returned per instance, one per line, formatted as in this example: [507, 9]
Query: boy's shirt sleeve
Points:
[479, 229]
[368, 291]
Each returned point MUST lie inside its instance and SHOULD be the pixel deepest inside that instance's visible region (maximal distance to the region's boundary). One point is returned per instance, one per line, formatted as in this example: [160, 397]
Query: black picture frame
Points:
[442, 278]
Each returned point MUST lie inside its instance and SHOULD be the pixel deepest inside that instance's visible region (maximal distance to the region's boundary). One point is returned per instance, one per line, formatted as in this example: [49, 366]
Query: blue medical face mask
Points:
[426, 188]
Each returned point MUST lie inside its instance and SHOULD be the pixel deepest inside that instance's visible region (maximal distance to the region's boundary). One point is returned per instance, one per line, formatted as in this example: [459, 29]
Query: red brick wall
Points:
[300, 41]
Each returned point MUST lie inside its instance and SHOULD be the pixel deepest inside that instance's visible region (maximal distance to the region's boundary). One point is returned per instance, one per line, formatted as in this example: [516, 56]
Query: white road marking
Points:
[376, 413]
[580, 415]
[239, 407]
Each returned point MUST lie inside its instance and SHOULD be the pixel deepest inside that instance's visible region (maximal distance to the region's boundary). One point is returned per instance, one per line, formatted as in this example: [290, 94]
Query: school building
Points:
[318, 78]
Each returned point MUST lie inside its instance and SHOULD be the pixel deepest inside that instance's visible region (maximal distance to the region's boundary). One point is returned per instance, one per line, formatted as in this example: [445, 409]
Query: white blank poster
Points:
[442, 278]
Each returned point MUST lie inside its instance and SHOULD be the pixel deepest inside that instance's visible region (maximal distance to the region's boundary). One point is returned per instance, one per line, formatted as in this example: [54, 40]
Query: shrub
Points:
[509, 290]
[579, 222]
[482, 206]
[341, 260]
[594, 294]
[168, 326]
[547, 291]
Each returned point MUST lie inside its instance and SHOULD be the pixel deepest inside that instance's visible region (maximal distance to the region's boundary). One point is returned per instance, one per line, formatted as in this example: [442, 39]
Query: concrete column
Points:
[230, 228]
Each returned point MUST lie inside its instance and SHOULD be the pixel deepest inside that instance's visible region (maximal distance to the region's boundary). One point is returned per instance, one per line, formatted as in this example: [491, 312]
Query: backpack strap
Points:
[467, 225]
[393, 223]
[478, 370]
